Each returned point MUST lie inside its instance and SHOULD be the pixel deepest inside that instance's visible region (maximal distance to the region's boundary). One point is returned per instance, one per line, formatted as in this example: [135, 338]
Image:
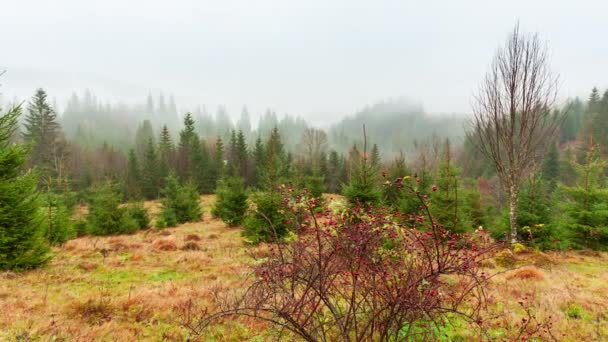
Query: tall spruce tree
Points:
[550, 167]
[149, 173]
[133, 179]
[259, 157]
[276, 163]
[184, 150]
[165, 154]
[143, 134]
[242, 156]
[41, 132]
[21, 228]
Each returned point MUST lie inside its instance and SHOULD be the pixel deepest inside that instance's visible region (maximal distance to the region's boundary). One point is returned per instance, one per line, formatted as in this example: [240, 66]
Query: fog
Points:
[318, 59]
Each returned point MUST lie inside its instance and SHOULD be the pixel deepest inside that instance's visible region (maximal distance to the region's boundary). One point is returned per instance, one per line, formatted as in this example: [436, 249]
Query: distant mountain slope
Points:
[395, 125]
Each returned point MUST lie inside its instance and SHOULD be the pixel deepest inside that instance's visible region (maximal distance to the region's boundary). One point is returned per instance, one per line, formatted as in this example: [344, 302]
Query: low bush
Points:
[267, 220]
[139, 214]
[359, 275]
[106, 216]
[231, 201]
[58, 225]
[180, 204]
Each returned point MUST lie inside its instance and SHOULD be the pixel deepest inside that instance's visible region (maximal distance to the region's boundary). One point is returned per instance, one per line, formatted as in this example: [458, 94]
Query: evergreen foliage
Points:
[106, 216]
[22, 243]
[41, 132]
[231, 201]
[179, 204]
[58, 225]
[586, 205]
[133, 178]
[266, 221]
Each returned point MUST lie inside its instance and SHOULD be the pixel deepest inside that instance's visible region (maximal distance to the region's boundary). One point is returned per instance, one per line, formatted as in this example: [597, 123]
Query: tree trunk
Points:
[513, 212]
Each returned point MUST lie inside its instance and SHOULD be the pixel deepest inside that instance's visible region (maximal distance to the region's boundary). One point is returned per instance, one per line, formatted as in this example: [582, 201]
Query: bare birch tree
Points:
[512, 119]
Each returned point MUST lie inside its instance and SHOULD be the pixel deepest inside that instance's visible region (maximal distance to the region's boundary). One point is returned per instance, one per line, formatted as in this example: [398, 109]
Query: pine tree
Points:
[375, 159]
[332, 180]
[550, 167]
[242, 155]
[232, 168]
[143, 134]
[106, 216]
[259, 158]
[231, 203]
[586, 204]
[362, 187]
[58, 226]
[244, 123]
[534, 212]
[179, 203]
[216, 167]
[41, 132]
[276, 163]
[392, 195]
[186, 140]
[21, 230]
[133, 178]
[594, 101]
[165, 153]
[200, 164]
[447, 201]
[149, 173]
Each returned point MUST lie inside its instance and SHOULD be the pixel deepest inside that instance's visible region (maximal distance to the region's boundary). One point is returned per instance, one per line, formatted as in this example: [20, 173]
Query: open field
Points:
[126, 288]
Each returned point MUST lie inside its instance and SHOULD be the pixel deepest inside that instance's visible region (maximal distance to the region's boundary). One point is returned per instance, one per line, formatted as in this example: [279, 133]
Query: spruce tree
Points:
[200, 165]
[232, 169]
[362, 187]
[149, 173]
[447, 201]
[165, 153]
[179, 203]
[231, 203]
[534, 208]
[133, 179]
[276, 163]
[392, 195]
[41, 132]
[242, 155]
[258, 162]
[143, 134]
[22, 243]
[106, 216]
[375, 159]
[586, 204]
[550, 167]
[184, 150]
[217, 167]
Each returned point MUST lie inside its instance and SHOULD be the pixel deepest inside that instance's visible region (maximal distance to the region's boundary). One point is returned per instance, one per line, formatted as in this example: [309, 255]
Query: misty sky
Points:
[321, 59]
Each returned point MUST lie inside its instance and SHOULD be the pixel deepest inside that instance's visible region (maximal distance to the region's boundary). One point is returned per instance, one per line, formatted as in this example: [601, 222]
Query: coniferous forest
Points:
[155, 221]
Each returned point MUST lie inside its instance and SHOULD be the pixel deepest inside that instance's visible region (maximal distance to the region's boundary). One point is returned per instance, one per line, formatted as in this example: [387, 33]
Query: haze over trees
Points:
[382, 226]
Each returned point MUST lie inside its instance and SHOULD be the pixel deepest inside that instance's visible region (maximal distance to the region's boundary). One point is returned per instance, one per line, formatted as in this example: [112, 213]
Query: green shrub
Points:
[22, 244]
[180, 204]
[231, 203]
[266, 221]
[139, 214]
[106, 217]
[58, 226]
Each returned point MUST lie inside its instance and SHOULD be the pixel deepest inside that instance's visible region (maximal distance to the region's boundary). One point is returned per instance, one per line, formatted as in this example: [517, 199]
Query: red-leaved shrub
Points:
[363, 274]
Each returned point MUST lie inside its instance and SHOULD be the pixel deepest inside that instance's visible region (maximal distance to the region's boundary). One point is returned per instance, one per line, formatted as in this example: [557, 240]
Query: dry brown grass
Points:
[130, 294]
[526, 273]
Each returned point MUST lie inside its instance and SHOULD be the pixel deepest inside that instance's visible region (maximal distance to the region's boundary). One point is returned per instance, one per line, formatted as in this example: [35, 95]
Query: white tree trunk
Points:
[513, 212]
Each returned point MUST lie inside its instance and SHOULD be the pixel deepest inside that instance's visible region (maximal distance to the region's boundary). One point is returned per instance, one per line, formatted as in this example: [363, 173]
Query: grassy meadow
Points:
[128, 287]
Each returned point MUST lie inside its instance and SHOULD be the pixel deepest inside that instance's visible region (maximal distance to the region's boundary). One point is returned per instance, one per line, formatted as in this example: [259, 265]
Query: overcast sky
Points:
[321, 59]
